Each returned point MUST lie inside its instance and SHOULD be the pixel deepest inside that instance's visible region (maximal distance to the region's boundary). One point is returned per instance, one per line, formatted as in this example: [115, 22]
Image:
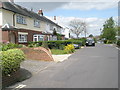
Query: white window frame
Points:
[22, 38]
[21, 19]
[37, 23]
[37, 37]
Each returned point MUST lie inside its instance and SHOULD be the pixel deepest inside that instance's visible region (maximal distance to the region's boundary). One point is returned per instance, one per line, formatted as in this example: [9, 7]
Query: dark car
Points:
[76, 46]
[90, 42]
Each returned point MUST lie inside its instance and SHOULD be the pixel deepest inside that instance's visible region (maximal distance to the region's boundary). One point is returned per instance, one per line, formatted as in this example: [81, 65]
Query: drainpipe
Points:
[14, 19]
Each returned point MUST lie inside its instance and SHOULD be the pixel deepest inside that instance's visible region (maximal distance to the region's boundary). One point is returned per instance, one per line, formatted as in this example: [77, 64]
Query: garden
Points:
[60, 46]
[12, 54]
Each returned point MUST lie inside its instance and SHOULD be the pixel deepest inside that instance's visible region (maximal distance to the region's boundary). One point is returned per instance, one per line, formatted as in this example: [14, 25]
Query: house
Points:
[65, 31]
[20, 25]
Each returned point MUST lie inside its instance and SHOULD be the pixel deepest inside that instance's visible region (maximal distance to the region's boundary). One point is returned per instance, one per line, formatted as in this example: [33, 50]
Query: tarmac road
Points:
[90, 67]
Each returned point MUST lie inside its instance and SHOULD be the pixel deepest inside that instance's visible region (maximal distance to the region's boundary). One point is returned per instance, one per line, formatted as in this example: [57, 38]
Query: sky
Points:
[93, 12]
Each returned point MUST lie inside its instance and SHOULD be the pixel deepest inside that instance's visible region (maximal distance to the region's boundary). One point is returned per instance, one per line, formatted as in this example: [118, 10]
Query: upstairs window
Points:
[37, 23]
[21, 19]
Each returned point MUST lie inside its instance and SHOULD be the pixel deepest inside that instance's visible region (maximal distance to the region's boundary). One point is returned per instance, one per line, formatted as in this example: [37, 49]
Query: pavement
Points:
[61, 58]
[90, 67]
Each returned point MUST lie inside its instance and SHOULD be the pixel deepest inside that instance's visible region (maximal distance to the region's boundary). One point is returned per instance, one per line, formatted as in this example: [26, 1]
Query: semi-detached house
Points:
[20, 25]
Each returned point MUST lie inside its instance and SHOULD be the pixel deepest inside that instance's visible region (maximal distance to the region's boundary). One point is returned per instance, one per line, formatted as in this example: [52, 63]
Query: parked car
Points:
[90, 42]
[76, 46]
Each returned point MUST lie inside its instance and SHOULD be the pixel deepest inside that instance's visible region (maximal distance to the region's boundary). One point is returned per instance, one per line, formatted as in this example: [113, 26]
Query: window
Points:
[54, 38]
[22, 38]
[21, 19]
[37, 23]
[38, 38]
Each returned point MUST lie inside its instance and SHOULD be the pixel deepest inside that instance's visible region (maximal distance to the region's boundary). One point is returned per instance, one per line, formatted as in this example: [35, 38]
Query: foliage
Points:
[109, 31]
[11, 60]
[45, 44]
[59, 36]
[90, 35]
[5, 47]
[77, 27]
[58, 51]
[69, 48]
[60, 44]
[54, 32]
[118, 43]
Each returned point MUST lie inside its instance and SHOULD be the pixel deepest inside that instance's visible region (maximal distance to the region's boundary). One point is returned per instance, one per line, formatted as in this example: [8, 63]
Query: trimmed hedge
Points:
[60, 44]
[11, 60]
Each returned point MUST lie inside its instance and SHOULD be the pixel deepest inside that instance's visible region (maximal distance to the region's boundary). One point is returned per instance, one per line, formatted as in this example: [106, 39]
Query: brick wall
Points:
[38, 53]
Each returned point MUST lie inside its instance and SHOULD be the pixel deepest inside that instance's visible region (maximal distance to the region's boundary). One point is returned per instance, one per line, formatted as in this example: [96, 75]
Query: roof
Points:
[23, 11]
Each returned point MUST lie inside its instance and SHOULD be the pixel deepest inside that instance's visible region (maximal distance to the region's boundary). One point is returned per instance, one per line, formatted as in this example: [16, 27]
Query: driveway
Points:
[90, 67]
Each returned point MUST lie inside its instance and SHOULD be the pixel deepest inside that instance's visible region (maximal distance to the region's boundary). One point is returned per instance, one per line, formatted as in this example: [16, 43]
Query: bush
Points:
[109, 41]
[5, 47]
[11, 60]
[118, 42]
[69, 48]
[60, 44]
[45, 44]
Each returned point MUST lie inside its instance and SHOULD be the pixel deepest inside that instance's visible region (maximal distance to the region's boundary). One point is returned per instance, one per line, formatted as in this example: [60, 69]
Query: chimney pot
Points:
[54, 17]
[40, 12]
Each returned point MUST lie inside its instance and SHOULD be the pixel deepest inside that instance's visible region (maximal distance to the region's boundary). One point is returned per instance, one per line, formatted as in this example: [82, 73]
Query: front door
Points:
[12, 38]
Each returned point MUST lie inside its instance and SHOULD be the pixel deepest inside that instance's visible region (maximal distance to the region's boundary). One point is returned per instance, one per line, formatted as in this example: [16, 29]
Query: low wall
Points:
[38, 53]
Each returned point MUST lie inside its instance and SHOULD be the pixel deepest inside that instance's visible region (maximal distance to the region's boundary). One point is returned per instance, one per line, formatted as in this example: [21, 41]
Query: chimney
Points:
[40, 12]
[54, 17]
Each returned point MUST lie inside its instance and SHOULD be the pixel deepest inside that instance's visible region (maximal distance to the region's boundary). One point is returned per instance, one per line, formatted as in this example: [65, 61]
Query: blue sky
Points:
[85, 14]
[94, 13]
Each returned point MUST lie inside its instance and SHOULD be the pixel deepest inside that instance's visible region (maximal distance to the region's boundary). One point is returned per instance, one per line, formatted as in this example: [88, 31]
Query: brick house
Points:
[20, 25]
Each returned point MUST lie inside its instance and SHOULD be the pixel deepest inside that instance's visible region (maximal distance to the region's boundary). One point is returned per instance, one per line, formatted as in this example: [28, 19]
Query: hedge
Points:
[11, 60]
[60, 44]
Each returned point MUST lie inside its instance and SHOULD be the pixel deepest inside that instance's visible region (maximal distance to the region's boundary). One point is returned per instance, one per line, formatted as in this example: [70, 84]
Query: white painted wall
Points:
[0, 17]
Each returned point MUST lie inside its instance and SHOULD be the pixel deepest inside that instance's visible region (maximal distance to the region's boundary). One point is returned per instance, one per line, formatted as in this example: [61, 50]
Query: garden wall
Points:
[38, 53]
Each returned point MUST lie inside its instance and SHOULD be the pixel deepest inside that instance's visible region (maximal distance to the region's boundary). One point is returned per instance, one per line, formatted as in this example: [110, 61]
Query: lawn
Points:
[58, 52]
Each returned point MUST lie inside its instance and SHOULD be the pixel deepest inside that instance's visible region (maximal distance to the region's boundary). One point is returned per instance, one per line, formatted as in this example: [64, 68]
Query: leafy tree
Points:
[54, 32]
[109, 31]
[90, 35]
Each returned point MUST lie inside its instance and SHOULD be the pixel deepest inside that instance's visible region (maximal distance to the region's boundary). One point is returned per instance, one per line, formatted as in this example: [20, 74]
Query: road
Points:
[90, 67]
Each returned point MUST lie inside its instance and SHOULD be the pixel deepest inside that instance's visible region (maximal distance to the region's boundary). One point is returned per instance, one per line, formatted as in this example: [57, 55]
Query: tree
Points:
[90, 35]
[54, 32]
[77, 27]
[109, 31]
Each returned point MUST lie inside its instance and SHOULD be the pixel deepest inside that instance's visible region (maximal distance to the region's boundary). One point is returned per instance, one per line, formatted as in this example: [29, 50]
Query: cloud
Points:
[94, 24]
[46, 6]
[90, 5]
[67, 0]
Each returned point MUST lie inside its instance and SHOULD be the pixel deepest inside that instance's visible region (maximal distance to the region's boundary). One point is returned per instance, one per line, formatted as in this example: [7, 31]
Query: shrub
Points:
[11, 60]
[45, 44]
[5, 47]
[60, 44]
[118, 42]
[69, 48]
[109, 42]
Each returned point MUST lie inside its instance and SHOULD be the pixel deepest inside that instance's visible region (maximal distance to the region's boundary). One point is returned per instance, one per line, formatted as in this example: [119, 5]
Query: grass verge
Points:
[58, 52]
